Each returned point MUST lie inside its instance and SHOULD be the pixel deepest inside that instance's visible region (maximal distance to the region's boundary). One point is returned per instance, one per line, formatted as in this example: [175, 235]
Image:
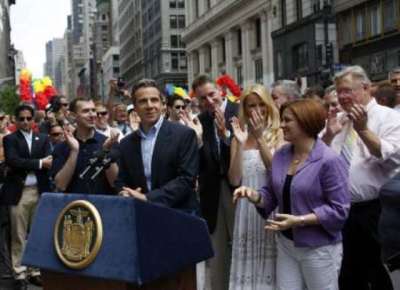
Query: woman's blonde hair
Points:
[273, 133]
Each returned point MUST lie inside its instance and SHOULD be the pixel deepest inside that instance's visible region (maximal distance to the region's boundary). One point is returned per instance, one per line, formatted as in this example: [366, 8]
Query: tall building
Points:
[369, 35]
[164, 51]
[102, 42]
[55, 51]
[130, 41]
[6, 50]
[70, 76]
[229, 36]
[80, 50]
[304, 40]
[115, 22]
[20, 64]
[110, 70]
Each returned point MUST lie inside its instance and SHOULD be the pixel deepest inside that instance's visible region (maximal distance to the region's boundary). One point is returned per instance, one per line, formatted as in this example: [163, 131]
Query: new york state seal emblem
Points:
[78, 234]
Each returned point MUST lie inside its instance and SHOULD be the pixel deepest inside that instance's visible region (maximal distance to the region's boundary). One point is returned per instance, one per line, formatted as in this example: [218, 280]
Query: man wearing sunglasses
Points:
[102, 123]
[27, 154]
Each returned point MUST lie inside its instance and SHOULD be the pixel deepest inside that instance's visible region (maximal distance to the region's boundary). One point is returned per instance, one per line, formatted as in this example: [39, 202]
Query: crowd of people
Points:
[288, 183]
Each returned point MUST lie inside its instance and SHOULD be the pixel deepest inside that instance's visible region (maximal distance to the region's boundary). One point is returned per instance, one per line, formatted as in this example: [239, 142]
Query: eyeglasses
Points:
[179, 107]
[21, 119]
[102, 113]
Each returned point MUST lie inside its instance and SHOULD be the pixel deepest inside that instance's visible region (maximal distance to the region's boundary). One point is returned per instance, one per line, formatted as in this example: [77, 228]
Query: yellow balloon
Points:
[46, 81]
[25, 74]
[38, 86]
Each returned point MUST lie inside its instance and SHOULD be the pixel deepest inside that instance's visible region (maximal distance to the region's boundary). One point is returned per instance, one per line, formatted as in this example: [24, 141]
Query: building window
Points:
[283, 13]
[375, 20]
[172, 3]
[181, 21]
[174, 60]
[300, 56]
[182, 61]
[196, 8]
[258, 32]
[279, 64]
[389, 15]
[181, 4]
[316, 6]
[239, 75]
[239, 41]
[360, 25]
[208, 4]
[258, 64]
[174, 41]
[299, 9]
[223, 50]
[173, 21]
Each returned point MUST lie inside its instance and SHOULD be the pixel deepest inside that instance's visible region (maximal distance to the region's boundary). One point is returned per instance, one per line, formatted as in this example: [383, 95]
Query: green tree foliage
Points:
[9, 99]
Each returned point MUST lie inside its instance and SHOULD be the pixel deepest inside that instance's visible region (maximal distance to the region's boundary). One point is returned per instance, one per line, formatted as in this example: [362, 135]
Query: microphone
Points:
[97, 157]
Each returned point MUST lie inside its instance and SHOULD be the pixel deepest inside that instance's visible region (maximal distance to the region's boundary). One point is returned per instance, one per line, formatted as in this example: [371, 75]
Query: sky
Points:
[33, 23]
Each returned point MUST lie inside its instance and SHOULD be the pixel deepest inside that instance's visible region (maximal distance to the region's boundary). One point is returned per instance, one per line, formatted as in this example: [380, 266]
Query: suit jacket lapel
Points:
[161, 140]
[23, 143]
[137, 159]
[35, 144]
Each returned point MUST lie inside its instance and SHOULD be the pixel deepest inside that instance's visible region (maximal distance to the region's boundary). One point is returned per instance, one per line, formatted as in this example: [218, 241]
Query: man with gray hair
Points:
[368, 138]
[394, 78]
[284, 91]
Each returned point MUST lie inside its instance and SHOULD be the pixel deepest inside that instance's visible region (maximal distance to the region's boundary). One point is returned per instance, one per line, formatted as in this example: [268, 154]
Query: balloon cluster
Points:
[42, 88]
[25, 90]
[171, 90]
[226, 82]
[44, 92]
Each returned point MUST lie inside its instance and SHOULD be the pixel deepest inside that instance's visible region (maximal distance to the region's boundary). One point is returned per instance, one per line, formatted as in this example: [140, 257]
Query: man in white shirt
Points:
[27, 154]
[394, 78]
[368, 139]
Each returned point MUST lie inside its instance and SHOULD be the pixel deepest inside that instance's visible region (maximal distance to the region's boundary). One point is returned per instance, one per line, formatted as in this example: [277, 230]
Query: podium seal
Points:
[78, 234]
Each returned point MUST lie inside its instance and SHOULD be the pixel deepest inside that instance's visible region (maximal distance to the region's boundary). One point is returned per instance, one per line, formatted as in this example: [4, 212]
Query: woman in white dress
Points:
[257, 135]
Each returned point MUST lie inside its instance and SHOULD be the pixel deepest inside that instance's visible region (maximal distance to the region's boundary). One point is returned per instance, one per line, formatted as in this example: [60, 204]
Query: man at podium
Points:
[158, 162]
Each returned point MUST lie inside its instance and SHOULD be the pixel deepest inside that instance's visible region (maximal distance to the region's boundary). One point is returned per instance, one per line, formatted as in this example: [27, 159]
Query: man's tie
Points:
[349, 145]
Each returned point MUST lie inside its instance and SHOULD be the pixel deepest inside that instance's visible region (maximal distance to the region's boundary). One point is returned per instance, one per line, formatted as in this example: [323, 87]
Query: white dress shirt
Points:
[368, 173]
[30, 179]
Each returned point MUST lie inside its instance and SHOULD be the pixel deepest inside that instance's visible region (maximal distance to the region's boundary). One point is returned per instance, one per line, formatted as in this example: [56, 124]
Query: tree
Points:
[9, 99]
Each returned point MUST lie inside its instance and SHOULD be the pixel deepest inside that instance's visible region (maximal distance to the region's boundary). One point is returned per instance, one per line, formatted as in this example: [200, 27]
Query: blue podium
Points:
[141, 244]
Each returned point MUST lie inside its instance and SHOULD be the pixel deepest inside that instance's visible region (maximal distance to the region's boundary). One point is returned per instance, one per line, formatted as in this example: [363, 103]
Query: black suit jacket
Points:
[214, 166]
[174, 167]
[20, 162]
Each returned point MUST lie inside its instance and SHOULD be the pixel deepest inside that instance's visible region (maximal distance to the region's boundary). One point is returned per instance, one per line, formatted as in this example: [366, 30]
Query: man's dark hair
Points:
[144, 83]
[200, 81]
[24, 107]
[73, 106]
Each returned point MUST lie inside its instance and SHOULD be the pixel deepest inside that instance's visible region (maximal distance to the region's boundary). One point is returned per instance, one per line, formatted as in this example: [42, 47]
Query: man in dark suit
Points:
[215, 194]
[28, 158]
[158, 162]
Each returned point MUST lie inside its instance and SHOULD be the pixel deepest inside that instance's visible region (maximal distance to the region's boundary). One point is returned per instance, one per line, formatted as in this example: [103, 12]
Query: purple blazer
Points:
[320, 186]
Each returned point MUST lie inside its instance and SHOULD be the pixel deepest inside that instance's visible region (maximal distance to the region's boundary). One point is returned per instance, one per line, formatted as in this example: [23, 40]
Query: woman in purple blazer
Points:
[309, 185]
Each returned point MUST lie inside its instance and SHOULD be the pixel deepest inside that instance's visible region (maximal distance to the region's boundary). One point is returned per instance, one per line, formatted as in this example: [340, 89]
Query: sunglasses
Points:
[21, 119]
[179, 107]
[2, 118]
[56, 134]
[102, 113]
[65, 104]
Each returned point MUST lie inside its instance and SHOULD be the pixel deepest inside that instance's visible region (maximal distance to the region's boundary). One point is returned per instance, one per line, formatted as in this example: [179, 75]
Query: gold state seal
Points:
[78, 234]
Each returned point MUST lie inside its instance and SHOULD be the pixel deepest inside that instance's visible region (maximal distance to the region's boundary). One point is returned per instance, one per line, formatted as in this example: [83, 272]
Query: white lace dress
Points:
[254, 249]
